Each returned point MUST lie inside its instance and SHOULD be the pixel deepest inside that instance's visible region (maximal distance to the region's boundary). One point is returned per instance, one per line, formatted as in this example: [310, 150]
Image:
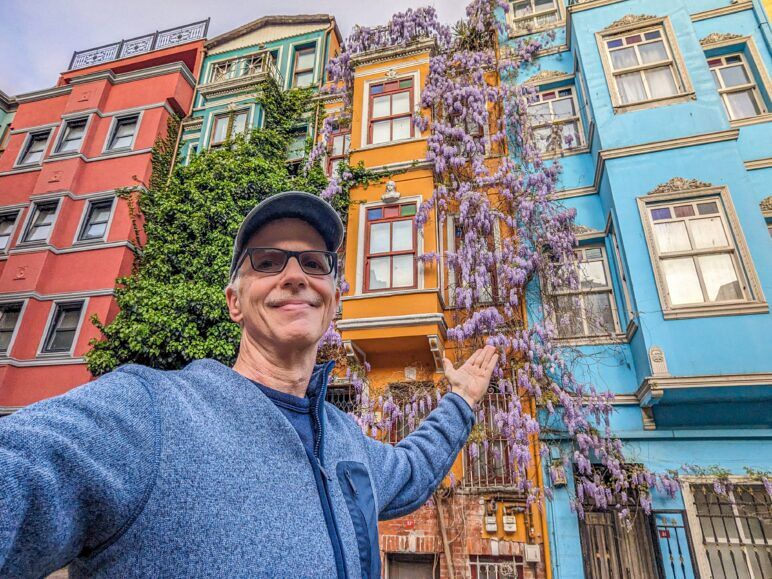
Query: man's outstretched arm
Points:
[74, 473]
[406, 474]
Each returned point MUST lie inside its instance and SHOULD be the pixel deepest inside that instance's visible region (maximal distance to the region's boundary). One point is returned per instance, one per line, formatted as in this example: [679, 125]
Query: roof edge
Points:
[270, 20]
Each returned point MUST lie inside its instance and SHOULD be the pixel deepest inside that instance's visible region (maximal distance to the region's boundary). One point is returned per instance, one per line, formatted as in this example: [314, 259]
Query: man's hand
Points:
[471, 380]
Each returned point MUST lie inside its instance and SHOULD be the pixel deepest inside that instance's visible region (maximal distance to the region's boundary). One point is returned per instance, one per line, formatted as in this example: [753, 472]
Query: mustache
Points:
[276, 302]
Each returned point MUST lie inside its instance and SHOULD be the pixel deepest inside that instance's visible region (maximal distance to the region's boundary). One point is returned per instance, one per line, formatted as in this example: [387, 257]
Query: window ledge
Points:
[79, 242]
[24, 168]
[62, 156]
[736, 309]
[607, 339]
[519, 33]
[653, 103]
[54, 356]
[388, 144]
[757, 120]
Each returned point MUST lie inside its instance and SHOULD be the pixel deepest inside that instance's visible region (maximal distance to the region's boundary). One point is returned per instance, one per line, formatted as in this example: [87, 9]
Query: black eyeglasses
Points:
[274, 260]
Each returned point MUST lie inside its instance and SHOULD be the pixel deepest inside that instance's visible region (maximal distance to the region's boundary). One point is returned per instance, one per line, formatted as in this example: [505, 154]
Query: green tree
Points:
[172, 307]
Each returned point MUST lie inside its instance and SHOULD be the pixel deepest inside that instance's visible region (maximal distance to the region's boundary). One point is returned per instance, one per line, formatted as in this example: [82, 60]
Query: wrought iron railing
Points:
[139, 45]
[245, 66]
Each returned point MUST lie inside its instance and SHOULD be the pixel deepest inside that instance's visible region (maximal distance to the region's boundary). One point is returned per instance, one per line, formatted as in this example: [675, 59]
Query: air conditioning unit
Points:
[532, 553]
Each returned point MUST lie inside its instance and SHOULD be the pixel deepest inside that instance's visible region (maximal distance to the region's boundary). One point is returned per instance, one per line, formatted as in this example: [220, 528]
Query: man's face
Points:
[291, 309]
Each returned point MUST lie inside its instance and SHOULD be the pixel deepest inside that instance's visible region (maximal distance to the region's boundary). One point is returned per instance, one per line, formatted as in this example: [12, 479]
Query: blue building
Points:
[661, 109]
[293, 50]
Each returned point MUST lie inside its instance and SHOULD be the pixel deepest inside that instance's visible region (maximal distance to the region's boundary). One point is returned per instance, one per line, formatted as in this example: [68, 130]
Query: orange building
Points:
[65, 236]
[395, 317]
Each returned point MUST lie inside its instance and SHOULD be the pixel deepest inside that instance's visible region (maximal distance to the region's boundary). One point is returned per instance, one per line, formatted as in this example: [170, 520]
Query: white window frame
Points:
[751, 86]
[33, 208]
[611, 231]
[63, 129]
[416, 76]
[15, 213]
[753, 301]
[523, 25]
[41, 353]
[562, 148]
[588, 333]
[360, 275]
[84, 217]
[15, 332]
[114, 126]
[25, 146]
[675, 62]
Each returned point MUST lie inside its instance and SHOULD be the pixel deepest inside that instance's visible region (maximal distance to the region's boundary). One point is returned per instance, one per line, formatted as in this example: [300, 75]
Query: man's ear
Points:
[234, 304]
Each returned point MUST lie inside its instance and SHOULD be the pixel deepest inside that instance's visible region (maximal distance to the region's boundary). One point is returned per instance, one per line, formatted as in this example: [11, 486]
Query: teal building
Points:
[7, 111]
[293, 50]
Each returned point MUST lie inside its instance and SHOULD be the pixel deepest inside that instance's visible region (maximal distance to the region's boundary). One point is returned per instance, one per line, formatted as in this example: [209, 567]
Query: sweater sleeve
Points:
[405, 475]
[75, 470]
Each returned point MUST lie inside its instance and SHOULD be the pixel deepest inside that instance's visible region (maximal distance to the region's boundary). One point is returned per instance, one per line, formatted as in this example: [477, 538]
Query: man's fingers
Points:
[474, 358]
[488, 352]
[447, 365]
[491, 362]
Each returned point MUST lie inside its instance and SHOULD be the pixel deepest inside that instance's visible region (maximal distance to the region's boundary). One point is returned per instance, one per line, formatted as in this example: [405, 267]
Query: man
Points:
[213, 471]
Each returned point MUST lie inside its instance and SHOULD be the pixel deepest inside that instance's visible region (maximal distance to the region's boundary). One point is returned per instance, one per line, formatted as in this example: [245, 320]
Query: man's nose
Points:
[293, 273]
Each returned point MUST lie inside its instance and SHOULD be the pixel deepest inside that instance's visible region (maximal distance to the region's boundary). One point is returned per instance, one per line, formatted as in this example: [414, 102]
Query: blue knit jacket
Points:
[194, 473]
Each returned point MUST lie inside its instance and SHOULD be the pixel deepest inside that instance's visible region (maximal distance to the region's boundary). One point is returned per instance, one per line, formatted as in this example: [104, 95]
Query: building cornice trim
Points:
[653, 388]
[74, 249]
[31, 294]
[758, 164]
[392, 52]
[391, 321]
[41, 362]
[737, 6]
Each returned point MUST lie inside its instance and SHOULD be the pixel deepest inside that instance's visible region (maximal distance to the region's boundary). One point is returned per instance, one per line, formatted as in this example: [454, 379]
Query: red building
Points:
[64, 235]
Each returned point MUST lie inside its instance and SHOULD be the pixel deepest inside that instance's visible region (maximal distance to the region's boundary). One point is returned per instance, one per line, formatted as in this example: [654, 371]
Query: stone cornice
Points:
[735, 6]
[719, 37]
[393, 52]
[630, 20]
[548, 76]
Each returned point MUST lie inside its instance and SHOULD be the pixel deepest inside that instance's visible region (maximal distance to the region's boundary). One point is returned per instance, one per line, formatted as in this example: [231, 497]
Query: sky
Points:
[38, 37]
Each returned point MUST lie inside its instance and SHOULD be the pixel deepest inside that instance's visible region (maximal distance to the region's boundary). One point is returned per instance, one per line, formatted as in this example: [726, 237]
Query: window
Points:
[736, 86]
[303, 70]
[122, 134]
[590, 309]
[489, 468]
[63, 326]
[642, 66]
[97, 216]
[529, 15]
[9, 317]
[486, 567]
[5, 132]
[410, 399]
[609, 549]
[72, 136]
[554, 117]
[227, 126]
[7, 223]
[390, 111]
[337, 149]
[34, 148]
[238, 67]
[296, 150]
[342, 396]
[404, 566]
[732, 532]
[42, 222]
[390, 247]
[695, 252]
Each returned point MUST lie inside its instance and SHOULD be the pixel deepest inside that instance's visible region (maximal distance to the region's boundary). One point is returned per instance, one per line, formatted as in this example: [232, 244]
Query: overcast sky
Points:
[38, 37]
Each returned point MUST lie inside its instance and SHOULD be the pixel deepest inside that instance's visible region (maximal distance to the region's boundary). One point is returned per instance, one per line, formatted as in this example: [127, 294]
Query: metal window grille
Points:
[736, 530]
[482, 567]
[411, 409]
[342, 396]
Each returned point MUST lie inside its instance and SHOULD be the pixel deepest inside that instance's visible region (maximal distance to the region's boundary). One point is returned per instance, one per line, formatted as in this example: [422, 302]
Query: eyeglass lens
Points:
[272, 260]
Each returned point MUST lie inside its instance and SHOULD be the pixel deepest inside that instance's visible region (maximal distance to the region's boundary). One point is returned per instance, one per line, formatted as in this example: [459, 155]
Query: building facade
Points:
[293, 50]
[660, 114]
[7, 110]
[395, 318]
[65, 235]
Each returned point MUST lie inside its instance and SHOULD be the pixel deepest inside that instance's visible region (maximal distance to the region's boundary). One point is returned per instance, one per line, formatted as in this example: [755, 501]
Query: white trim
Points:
[28, 218]
[9, 210]
[60, 135]
[34, 248]
[47, 329]
[16, 363]
[69, 296]
[360, 276]
[390, 321]
[611, 229]
[35, 128]
[17, 164]
[113, 125]
[417, 135]
[15, 332]
[83, 215]
[384, 69]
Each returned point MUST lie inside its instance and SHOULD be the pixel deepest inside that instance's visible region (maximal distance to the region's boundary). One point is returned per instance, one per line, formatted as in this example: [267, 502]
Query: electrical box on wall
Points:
[509, 520]
[491, 525]
[532, 553]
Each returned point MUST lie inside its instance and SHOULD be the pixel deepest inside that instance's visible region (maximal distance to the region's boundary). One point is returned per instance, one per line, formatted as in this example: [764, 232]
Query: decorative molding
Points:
[658, 362]
[679, 184]
[583, 232]
[716, 37]
[15, 362]
[766, 206]
[390, 293]
[547, 76]
[575, 192]
[551, 50]
[580, 5]
[437, 350]
[734, 6]
[392, 52]
[4, 297]
[652, 389]
[629, 20]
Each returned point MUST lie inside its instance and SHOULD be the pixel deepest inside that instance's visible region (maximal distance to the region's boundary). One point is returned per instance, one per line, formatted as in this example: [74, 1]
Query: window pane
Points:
[661, 213]
[661, 82]
[631, 88]
[623, 58]
[407, 210]
[402, 235]
[220, 129]
[708, 232]
[563, 109]
[570, 135]
[379, 237]
[734, 75]
[720, 277]
[35, 148]
[381, 106]
[72, 137]
[62, 341]
[542, 5]
[522, 8]
[9, 314]
[672, 236]
[124, 133]
[539, 113]
[401, 128]
[240, 122]
[707, 208]
[592, 274]
[742, 104]
[684, 211]
[600, 317]
[400, 103]
[569, 316]
[403, 271]
[374, 213]
[69, 319]
[379, 273]
[653, 52]
[682, 282]
[306, 59]
[543, 138]
[304, 79]
[381, 132]
[337, 145]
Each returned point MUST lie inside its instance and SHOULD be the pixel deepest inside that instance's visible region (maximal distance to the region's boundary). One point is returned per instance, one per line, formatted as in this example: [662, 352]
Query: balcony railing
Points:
[139, 45]
[245, 68]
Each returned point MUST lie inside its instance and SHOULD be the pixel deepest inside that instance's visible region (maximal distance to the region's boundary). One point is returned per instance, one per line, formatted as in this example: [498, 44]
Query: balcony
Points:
[139, 45]
[235, 74]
